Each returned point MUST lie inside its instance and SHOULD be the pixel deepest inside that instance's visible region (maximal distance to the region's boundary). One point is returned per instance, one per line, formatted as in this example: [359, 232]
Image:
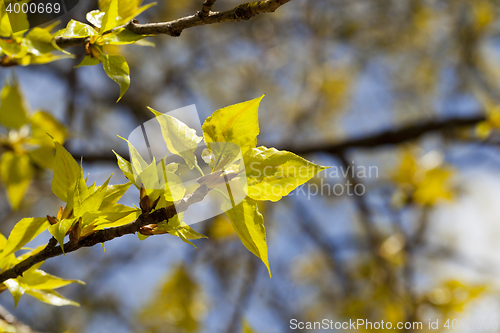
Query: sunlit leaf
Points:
[66, 172]
[23, 232]
[117, 69]
[272, 174]
[113, 194]
[77, 29]
[60, 230]
[237, 124]
[111, 18]
[38, 279]
[95, 17]
[88, 61]
[249, 225]
[120, 37]
[180, 139]
[15, 289]
[51, 297]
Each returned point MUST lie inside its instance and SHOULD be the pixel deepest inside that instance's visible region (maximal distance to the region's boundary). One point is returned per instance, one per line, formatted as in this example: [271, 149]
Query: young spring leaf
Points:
[119, 37]
[237, 124]
[60, 230]
[249, 225]
[66, 172]
[95, 17]
[117, 69]
[76, 29]
[125, 167]
[88, 61]
[180, 139]
[51, 297]
[22, 233]
[111, 18]
[272, 174]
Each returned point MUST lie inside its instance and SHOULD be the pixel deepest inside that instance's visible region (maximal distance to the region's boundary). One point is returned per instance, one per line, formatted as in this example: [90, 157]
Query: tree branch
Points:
[205, 16]
[206, 8]
[391, 137]
[101, 236]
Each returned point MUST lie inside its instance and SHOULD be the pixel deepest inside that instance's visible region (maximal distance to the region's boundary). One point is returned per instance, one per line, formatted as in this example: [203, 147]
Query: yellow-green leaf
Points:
[66, 172]
[92, 202]
[17, 173]
[13, 109]
[120, 36]
[125, 166]
[137, 163]
[111, 18]
[38, 279]
[249, 225]
[272, 174]
[51, 297]
[39, 41]
[60, 229]
[15, 289]
[117, 69]
[180, 139]
[77, 29]
[23, 232]
[113, 194]
[88, 61]
[95, 17]
[237, 123]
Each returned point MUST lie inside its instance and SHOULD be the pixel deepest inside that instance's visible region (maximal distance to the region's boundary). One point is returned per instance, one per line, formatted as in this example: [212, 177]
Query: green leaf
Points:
[15, 289]
[66, 172]
[23, 232]
[117, 69]
[171, 183]
[127, 9]
[238, 124]
[93, 201]
[125, 166]
[13, 110]
[176, 227]
[38, 279]
[51, 297]
[77, 29]
[17, 173]
[88, 61]
[138, 164]
[180, 139]
[95, 17]
[272, 174]
[13, 48]
[113, 194]
[111, 18]
[120, 36]
[60, 230]
[39, 41]
[249, 225]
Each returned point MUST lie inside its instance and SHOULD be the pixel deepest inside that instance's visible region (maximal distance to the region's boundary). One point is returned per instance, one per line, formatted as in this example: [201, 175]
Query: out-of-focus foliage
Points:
[178, 306]
[24, 143]
[423, 180]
